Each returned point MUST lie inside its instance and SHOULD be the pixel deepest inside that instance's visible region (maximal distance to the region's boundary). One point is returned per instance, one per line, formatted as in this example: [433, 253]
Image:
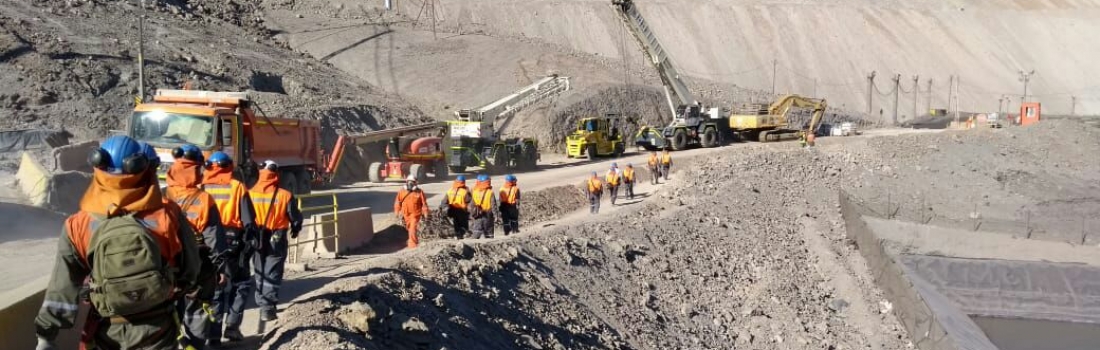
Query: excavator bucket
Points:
[650, 138]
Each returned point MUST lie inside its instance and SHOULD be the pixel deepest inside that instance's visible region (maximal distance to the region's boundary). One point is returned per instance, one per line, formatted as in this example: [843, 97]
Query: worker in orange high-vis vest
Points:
[278, 219]
[122, 199]
[666, 164]
[614, 178]
[482, 207]
[628, 180]
[654, 168]
[184, 181]
[594, 189]
[411, 204]
[238, 220]
[509, 205]
[456, 204]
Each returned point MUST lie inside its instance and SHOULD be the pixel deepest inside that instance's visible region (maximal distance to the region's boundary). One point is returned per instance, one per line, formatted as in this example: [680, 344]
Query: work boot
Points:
[269, 314]
[233, 334]
[213, 344]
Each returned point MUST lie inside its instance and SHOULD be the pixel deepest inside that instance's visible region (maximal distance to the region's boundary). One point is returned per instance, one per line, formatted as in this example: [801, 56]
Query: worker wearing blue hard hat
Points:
[238, 219]
[123, 203]
[457, 206]
[484, 204]
[509, 205]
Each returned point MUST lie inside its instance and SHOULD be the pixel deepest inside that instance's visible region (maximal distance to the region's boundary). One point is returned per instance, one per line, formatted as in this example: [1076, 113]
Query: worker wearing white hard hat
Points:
[411, 205]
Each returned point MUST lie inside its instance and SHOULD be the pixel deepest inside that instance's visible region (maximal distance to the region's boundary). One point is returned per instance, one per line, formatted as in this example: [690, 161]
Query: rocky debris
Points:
[535, 206]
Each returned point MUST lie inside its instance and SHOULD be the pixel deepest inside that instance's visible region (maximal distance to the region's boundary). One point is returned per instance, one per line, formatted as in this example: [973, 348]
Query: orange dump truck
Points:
[230, 122]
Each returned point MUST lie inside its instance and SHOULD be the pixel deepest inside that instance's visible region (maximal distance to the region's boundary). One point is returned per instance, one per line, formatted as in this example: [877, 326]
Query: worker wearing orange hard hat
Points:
[593, 187]
[411, 204]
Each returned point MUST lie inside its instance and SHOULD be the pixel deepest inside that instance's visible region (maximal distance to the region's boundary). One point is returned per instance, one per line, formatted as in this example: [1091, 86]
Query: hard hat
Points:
[482, 177]
[629, 165]
[411, 178]
[269, 165]
[220, 159]
[593, 174]
[119, 155]
[460, 178]
[188, 151]
[614, 165]
[510, 178]
[150, 154]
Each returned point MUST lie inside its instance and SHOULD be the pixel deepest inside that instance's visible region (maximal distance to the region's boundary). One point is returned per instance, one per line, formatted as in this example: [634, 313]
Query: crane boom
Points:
[506, 107]
[676, 91]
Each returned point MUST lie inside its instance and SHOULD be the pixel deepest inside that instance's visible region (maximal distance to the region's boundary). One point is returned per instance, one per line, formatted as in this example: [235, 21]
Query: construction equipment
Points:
[596, 137]
[766, 123]
[232, 123]
[410, 156]
[692, 123]
[475, 138]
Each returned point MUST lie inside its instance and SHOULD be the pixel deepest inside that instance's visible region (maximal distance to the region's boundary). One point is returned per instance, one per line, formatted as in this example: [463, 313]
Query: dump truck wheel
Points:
[456, 169]
[374, 172]
[679, 139]
[619, 150]
[289, 182]
[305, 181]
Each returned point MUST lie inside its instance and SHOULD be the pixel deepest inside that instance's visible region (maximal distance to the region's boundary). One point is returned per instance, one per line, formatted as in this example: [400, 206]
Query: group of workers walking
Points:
[472, 212]
[171, 268]
[614, 178]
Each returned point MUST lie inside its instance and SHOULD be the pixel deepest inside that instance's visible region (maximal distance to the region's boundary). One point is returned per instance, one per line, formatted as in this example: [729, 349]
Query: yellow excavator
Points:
[764, 123]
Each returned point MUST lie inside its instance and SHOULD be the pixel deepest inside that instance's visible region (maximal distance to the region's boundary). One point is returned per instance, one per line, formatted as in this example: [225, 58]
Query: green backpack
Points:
[128, 274]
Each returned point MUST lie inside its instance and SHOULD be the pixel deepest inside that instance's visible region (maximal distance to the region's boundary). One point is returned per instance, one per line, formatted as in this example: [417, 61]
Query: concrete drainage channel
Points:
[953, 289]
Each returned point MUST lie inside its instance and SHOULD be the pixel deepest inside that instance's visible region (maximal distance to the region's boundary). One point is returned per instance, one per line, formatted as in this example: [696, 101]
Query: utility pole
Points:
[1000, 105]
[950, 91]
[1026, 78]
[897, 91]
[870, 91]
[957, 82]
[928, 105]
[141, 57]
[775, 66]
[1073, 105]
[916, 94]
[815, 88]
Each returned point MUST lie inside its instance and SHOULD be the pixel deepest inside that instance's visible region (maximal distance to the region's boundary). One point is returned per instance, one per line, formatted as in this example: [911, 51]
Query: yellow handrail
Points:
[335, 223]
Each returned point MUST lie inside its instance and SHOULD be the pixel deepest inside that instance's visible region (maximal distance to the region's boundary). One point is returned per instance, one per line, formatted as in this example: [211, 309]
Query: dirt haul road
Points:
[653, 206]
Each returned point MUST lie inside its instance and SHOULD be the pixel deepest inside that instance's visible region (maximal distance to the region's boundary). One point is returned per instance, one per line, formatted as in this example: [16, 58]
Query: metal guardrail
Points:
[320, 208]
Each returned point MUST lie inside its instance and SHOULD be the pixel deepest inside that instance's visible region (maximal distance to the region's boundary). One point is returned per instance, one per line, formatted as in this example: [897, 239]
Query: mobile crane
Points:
[692, 123]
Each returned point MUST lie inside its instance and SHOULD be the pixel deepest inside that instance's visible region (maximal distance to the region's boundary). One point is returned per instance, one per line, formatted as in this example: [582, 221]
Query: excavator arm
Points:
[783, 106]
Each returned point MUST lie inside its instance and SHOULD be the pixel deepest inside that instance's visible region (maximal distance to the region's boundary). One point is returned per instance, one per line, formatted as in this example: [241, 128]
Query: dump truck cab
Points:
[228, 122]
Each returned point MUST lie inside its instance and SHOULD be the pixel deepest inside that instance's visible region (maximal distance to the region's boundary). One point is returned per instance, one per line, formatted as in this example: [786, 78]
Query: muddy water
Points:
[1025, 334]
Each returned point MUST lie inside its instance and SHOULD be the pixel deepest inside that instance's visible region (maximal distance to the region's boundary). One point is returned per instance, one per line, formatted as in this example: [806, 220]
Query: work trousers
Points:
[231, 299]
[460, 219]
[509, 217]
[197, 325]
[665, 168]
[157, 332]
[594, 202]
[267, 268]
[412, 223]
[613, 190]
[483, 226]
[629, 190]
[654, 175]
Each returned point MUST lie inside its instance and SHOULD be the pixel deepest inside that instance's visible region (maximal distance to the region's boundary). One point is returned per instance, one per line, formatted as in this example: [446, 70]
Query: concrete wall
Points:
[18, 309]
[356, 229]
[927, 332]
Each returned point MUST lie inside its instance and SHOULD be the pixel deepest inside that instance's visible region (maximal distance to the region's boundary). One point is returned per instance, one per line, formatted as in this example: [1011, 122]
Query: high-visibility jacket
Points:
[628, 175]
[509, 195]
[196, 207]
[666, 159]
[653, 160]
[456, 197]
[228, 199]
[160, 223]
[483, 197]
[613, 178]
[272, 209]
[410, 203]
[594, 185]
